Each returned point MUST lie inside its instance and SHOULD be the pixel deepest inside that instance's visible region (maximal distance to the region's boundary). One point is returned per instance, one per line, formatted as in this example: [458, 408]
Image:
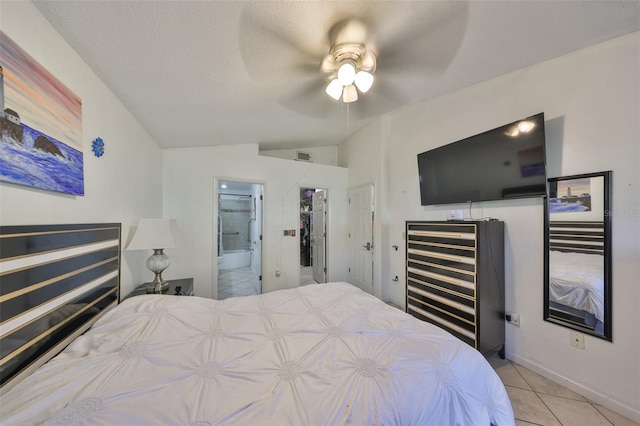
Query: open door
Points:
[318, 236]
[361, 214]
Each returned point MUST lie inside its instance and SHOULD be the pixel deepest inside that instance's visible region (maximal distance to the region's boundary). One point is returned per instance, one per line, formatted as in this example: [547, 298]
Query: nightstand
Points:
[179, 287]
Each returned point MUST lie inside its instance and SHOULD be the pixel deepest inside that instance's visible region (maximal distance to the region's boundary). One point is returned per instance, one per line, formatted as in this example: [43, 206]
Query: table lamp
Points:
[157, 235]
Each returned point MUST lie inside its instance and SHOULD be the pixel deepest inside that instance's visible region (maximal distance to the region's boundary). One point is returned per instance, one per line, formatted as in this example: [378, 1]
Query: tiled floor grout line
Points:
[537, 395]
[545, 404]
[243, 277]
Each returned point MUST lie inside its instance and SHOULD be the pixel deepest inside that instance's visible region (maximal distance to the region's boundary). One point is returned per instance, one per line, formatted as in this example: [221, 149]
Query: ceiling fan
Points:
[300, 52]
[350, 65]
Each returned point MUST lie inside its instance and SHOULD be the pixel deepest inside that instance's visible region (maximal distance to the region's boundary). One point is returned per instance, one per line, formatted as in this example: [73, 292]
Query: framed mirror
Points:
[577, 256]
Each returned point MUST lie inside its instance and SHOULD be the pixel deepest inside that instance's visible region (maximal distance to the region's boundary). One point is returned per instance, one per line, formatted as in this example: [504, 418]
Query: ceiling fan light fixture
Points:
[349, 94]
[334, 89]
[364, 81]
[347, 73]
[349, 67]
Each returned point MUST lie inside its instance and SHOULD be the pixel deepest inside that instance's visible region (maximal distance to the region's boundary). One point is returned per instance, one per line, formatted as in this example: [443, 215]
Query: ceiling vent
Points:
[303, 156]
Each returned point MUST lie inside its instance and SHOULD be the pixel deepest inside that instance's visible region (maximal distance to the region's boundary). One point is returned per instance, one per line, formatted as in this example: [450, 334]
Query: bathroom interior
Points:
[239, 229]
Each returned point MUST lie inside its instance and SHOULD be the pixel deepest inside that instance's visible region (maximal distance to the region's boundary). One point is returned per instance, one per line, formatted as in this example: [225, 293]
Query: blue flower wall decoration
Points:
[98, 147]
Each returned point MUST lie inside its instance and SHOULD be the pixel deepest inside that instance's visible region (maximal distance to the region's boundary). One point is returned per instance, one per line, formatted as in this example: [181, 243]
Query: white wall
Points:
[189, 192]
[591, 103]
[365, 155]
[123, 185]
[327, 155]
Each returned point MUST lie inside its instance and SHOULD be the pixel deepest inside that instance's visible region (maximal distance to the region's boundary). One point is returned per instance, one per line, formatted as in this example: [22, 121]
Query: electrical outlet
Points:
[455, 215]
[277, 273]
[513, 318]
[577, 339]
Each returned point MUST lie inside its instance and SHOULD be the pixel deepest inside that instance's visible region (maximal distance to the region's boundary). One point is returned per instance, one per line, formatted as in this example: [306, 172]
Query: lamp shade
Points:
[155, 234]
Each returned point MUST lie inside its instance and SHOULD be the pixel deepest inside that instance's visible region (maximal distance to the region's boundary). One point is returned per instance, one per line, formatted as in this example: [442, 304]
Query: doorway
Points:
[313, 235]
[239, 251]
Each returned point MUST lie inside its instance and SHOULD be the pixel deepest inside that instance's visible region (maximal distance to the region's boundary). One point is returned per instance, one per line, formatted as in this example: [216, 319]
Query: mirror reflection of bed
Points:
[576, 277]
[578, 256]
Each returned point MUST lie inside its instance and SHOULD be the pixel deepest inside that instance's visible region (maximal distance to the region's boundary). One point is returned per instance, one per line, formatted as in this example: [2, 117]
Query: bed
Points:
[577, 281]
[319, 354]
[55, 281]
[576, 272]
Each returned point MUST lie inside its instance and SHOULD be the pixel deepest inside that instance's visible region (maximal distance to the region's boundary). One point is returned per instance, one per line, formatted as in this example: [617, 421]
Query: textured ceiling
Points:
[197, 73]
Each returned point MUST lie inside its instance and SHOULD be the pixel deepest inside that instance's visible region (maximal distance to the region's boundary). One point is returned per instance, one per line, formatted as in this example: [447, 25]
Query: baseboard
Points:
[392, 303]
[596, 397]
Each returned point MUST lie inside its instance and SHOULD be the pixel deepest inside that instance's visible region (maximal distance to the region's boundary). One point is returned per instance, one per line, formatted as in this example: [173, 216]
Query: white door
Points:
[361, 212]
[318, 236]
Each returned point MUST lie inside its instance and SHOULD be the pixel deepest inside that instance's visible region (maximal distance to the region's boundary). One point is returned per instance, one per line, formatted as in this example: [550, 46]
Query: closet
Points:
[455, 279]
[306, 210]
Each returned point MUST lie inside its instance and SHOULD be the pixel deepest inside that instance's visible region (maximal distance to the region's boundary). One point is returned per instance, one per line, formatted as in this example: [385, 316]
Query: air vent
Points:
[303, 156]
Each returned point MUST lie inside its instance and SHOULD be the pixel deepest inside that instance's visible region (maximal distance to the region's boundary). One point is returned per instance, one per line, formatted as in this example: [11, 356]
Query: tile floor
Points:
[243, 282]
[306, 275]
[237, 282]
[537, 400]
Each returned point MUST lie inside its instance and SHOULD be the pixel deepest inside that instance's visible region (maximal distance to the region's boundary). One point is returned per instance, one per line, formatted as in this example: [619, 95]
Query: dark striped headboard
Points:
[577, 237]
[55, 281]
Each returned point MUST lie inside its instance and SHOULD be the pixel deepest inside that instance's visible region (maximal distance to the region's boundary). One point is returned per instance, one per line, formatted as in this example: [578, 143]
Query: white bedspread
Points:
[322, 354]
[577, 281]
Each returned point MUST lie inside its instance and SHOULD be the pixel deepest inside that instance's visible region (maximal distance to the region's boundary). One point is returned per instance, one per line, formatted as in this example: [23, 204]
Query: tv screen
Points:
[503, 163]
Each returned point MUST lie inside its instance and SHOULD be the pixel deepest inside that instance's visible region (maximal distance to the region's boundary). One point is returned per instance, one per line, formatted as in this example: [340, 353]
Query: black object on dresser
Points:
[455, 279]
[179, 287]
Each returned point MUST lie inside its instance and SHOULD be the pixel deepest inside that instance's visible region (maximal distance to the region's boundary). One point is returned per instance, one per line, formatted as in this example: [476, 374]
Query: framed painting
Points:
[570, 195]
[40, 125]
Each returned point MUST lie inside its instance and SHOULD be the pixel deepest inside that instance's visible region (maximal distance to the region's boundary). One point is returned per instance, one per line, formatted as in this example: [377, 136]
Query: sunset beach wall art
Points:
[40, 124]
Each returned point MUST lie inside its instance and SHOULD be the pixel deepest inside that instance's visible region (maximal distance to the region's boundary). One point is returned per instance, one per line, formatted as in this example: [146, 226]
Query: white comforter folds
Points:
[577, 281]
[318, 355]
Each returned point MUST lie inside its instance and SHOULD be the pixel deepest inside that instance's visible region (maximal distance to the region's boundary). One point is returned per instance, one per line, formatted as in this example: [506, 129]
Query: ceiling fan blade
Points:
[348, 30]
[309, 99]
[384, 96]
[328, 65]
[273, 57]
[426, 39]
[368, 61]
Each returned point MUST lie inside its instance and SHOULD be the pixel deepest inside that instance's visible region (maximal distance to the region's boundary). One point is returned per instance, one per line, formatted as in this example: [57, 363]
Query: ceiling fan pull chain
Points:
[347, 135]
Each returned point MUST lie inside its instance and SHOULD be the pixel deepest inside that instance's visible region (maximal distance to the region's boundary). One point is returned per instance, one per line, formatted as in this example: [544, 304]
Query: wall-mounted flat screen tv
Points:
[504, 163]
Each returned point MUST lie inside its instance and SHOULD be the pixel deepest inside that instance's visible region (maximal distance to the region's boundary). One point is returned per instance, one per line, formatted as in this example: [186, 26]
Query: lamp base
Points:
[157, 263]
[157, 288]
